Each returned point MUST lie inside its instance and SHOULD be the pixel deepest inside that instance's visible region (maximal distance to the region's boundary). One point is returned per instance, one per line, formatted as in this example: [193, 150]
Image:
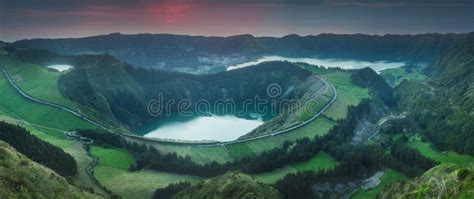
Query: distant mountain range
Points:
[199, 54]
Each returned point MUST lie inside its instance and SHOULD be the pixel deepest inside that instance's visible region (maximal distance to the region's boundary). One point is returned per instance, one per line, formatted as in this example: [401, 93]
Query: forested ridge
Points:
[38, 150]
[120, 92]
[443, 106]
[170, 51]
[356, 161]
[123, 92]
[20, 177]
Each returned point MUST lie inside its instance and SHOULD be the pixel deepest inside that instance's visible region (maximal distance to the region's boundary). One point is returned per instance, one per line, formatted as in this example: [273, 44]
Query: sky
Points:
[24, 19]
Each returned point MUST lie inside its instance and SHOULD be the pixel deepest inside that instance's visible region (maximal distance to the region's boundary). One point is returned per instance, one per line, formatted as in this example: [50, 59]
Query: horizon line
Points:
[228, 36]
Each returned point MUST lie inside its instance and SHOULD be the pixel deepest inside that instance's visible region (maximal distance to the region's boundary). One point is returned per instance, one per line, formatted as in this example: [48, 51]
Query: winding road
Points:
[333, 99]
[22, 93]
[164, 141]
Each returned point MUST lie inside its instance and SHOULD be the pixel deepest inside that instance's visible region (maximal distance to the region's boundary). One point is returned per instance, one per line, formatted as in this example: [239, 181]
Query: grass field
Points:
[427, 149]
[395, 76]
[388, 177]
[314, 107]
[36, 80]
[199, 154]
[322, 160]
[319, 126]
[57, 138]
[348, 94]
[112, 173]
[18, 107]
[116, 158]
[42, 83]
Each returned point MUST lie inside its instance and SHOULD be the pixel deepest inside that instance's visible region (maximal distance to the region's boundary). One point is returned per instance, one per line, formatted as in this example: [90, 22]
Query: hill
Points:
[22, 178]
[124, 93]
[454, 69]
[230, 185]
[442, 181]
[38, 150]
[395, 76]
[208, 54]
[443, 106]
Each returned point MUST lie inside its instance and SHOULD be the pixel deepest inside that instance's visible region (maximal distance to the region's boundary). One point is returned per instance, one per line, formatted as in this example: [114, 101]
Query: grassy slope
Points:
[116, 158]
[319, 126]
[112, 173]
[348, 94]
[42, 83]
[56, 138]
[36, 80]
[22, 178]
[45, 122]
[18, 107]
[232, 185]
[314, 106]
[442, 181]
[395, 76]
[320, 161]
[389, 177]
[427, 149]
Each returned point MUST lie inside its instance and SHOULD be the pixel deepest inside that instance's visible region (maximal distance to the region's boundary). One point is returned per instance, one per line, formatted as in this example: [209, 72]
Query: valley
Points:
[342, 135]
[230, 151]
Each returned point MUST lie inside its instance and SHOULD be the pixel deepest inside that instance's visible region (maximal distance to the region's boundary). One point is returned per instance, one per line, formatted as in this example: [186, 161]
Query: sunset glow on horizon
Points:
[52, 18]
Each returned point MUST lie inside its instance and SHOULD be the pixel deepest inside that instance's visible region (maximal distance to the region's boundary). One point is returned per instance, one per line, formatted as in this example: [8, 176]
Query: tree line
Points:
[356, 161]
[290, 152]
[37, 150]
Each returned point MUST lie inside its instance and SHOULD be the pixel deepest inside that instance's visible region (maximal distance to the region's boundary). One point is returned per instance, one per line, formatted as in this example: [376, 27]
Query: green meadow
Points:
[348, 94]
[320, 161]
[112, 173]
[18, 107]
[427, 149]
[39, 82]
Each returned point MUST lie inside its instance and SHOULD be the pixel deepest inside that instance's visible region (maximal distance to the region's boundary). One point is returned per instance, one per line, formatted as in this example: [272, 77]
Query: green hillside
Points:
[231, 185]
[22, 178]
[443, 181]
[395, 76]
[447, 96]
[112, 172]
[123, 92]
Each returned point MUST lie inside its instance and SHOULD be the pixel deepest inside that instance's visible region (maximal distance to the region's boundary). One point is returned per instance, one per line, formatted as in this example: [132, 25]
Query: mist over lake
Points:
[342, 63]
[60, 67]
